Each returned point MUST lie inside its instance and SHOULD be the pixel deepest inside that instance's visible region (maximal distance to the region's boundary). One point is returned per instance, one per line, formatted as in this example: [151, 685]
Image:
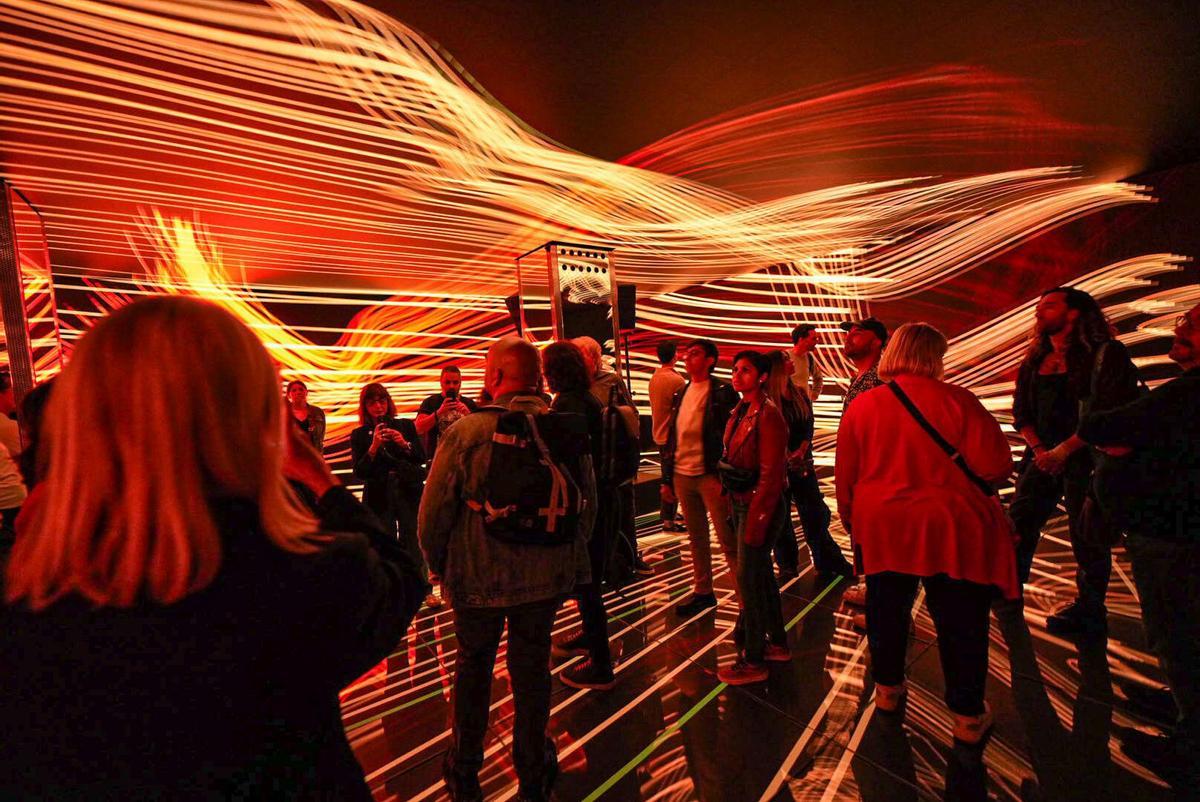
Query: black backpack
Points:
[534, 489]
[621, 451]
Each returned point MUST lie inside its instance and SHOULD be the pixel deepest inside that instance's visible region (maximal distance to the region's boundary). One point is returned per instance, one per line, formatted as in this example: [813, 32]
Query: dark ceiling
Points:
[607, 77]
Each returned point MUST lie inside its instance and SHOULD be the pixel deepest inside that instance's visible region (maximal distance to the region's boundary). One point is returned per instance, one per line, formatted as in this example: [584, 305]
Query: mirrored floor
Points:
[670, 730]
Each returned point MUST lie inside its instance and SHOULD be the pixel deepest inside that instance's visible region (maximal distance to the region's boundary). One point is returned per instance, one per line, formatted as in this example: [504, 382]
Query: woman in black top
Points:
[193, 645]
[567, 375]
[389, 458]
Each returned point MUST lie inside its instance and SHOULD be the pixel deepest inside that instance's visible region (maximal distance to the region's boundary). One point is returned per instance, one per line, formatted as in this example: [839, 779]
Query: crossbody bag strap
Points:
[950, 450]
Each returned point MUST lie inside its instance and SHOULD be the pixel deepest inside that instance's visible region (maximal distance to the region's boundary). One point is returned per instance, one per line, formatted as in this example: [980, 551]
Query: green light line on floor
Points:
[696, 708]
[657, 742]
[406, 705]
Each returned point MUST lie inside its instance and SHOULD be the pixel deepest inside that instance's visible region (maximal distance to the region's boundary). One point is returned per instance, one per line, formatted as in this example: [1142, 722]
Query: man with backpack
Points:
[508, 508]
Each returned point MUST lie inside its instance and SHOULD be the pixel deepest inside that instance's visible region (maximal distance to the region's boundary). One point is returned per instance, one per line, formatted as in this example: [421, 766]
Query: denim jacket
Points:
[477, 569]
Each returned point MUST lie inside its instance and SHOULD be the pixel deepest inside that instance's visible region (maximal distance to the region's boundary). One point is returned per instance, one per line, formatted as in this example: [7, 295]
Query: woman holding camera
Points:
[753, 471]
[389, 458]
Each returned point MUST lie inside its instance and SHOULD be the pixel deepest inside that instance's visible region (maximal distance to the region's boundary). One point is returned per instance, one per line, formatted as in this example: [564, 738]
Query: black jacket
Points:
[231, 693]
[393, 476]
[1155, 490]
[722, 398]
[1115, 383]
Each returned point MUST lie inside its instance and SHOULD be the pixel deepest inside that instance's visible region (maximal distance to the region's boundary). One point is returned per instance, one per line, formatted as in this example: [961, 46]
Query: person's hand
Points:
[380, 437]
[795, 460]
[667, 494]
[1116, 451]
[450, 406]
[304, 464]
[1052, 461]
[396, 437]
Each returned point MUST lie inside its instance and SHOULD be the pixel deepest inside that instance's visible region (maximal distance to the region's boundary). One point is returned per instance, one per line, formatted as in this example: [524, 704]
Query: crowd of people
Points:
[176, 598]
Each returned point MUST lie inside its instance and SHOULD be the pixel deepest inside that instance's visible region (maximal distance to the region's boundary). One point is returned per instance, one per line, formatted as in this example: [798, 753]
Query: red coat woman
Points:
[916, 518]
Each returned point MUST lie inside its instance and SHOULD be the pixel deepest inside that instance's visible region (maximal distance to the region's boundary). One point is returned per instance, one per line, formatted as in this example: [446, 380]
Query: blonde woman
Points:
[915, 461]
[175, 627]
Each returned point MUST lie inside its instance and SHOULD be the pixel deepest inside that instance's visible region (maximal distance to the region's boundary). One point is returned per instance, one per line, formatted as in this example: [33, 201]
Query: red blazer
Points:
[759, 441]
[908, 507]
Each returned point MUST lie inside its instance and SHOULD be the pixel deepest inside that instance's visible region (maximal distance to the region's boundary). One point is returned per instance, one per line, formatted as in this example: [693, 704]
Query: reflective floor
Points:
[671, 731]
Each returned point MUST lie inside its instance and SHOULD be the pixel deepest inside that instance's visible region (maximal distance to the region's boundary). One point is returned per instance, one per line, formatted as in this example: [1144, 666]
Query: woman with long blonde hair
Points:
[176, 625]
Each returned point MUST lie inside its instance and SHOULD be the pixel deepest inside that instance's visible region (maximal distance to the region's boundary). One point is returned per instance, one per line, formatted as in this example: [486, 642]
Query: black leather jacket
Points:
[722, 398]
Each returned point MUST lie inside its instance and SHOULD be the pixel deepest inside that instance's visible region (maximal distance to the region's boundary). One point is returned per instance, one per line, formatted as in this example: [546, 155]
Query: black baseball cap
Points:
[871, 324]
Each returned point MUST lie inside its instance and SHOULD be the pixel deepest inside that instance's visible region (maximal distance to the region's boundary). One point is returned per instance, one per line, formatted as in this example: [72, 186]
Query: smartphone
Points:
[452, 395]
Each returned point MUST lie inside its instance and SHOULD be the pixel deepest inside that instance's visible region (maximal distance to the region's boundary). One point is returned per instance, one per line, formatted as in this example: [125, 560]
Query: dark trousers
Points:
[1167, 575]
[762, 613]
[404, 520]
[805, 492]
[667, 510]
[592, 615]
[960, 612]
[478, 631]
[1035, 500]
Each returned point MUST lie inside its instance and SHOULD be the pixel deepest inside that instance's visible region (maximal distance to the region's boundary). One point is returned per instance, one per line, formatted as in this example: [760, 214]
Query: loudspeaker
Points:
[627, 306]
[514, 311]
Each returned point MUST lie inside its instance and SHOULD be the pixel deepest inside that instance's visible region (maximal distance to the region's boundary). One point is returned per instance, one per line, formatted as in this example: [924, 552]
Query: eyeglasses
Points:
[1185, 322]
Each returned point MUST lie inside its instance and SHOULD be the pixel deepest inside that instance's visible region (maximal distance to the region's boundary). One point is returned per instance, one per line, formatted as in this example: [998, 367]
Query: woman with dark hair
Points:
[1074, 366]
[568, 378]
[388, 457]
[32, 407]
[803, 489]
[753, 472]
[310, 419]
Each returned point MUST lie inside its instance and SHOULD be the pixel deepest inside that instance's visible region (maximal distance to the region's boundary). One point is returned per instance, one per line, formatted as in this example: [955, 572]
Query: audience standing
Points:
[388, 458]
[699, 412]
[440, 411]
[1151, 485]
[914, 463]
[663, 385]
[194, 645]
[753, 473]
[568, 378]
[1074, 366]
[310, 419]
[490, 582]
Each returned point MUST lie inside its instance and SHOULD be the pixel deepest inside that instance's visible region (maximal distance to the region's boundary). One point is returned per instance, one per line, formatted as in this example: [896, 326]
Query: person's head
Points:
[804, 337]
[864, 339]
[513, 366]
[916, 349]
[375, 404]
[167, 406]
[8, 402]
[666, 352]
[591, 353]
[451, 381]
[750, 371]
[296, 393]
[564, 367]
[1073, 312]
[700, 358]
[1185, 348]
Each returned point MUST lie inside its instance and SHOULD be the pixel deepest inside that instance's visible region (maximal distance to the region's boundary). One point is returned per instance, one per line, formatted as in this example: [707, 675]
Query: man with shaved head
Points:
[490, 582]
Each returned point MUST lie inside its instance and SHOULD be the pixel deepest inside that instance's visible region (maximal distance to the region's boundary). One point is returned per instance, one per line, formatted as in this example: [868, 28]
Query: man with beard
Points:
[863, 346]
[440, 411]
[1074, 366]
[1151, 483]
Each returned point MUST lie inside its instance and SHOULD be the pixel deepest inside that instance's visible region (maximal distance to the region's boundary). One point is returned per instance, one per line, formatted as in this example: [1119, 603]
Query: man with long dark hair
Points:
[1074, 366]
